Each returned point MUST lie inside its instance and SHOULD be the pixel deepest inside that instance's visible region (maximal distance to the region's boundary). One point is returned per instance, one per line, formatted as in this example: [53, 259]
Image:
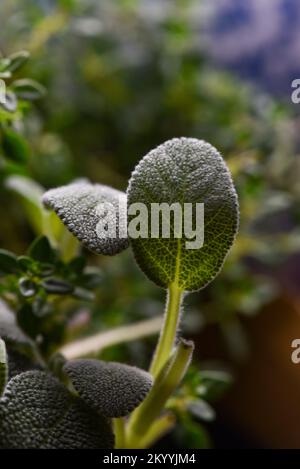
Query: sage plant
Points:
[89, 403]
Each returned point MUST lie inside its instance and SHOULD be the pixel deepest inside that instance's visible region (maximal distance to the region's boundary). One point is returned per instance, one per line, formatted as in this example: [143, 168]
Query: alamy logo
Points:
[2, 92]
[295, 356]
[296, 93]
[160, 220]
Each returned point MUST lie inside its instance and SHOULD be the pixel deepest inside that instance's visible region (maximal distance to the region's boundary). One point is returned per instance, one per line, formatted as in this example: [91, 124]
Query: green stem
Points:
[158, 429]
[97, 343]
[167, 381]
[168, 333]
[119, 430]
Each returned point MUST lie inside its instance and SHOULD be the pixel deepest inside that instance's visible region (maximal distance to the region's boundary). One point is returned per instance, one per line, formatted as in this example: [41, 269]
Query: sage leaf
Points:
[114, 389]
[185, 170]
[77, 205]
[37, 411]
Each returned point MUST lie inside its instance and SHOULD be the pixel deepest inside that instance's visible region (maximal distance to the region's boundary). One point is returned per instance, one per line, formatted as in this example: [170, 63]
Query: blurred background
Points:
[124, 76]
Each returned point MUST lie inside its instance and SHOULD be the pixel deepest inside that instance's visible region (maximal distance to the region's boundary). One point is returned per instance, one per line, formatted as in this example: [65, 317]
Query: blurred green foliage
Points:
[40, 287]
[16, 94]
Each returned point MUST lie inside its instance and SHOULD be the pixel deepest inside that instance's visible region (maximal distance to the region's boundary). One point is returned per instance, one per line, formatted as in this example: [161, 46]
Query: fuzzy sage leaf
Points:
[37, 411]
[113, 389]
[77, 205]
[185, 170]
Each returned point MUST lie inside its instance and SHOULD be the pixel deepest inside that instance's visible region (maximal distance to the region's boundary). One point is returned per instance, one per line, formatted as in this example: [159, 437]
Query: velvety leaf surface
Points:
[76, 205]
[37, 411]
[114, 389]
[185, 170]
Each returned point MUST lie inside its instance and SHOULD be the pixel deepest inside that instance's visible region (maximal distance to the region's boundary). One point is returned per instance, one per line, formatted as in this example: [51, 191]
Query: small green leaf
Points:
[57, 286]
[214, 383]
[77, 264]
[10, 103]
[113, 389]
[27, 287]
[77, 205]
[8, 262]
[184, 170]
[15, 146]
[16, 60]
[38, 412]
[42, 251]
[27, 89]
[45, 269]
[201, 409]
[26, 263]
[3, 366]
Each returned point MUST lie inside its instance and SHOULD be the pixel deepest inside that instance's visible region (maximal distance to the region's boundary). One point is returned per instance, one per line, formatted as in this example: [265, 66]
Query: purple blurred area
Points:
[257, 39]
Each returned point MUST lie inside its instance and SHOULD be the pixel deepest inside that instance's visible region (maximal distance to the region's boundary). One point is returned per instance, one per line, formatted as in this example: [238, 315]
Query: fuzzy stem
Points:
[165, 384]
[168, 333]
[158, 429]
